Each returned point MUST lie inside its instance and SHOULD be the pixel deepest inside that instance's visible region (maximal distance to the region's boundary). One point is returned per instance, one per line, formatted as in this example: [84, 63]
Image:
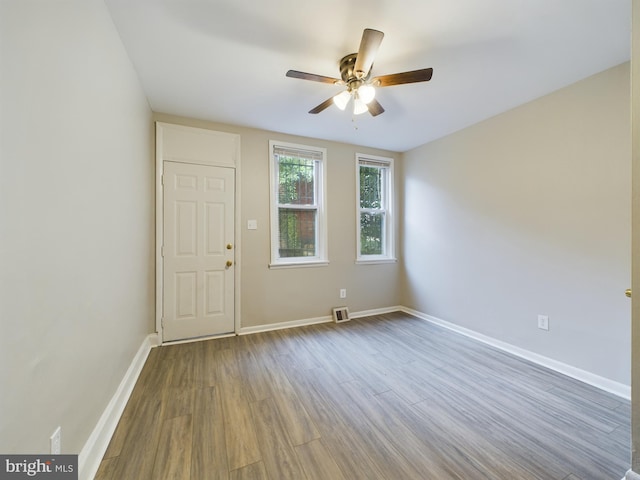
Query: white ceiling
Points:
[225, 60]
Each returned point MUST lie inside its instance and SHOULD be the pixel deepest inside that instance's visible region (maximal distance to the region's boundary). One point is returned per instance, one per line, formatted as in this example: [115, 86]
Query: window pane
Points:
[371, 233]
[297, 232]
[296, 182]
[370, 187]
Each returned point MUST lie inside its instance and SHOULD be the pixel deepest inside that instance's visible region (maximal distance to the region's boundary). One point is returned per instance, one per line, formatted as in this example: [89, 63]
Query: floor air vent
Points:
[340, 314]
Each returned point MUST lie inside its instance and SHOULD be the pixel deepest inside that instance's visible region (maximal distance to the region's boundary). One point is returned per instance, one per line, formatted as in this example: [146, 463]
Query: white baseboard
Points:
[376, 311]
[283, 325]
[198, 339]
[96, 446]
[616, 388]
[314, 321]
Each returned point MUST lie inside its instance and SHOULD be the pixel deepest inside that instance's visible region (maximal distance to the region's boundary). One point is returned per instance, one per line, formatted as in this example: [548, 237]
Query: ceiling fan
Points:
[355, 73]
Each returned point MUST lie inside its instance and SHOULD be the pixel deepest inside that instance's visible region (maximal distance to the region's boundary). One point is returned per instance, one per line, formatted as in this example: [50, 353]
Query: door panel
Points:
[186, 234]
[214, 288]
[185, 289]
[198, 204]
[214, 241]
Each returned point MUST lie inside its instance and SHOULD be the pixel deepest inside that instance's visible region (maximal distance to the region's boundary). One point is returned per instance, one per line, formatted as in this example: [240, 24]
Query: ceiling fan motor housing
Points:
[355, 72]
[347, 71]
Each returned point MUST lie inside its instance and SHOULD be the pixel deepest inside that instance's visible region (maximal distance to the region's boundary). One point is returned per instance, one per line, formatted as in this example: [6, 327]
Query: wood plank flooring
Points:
[386, 397]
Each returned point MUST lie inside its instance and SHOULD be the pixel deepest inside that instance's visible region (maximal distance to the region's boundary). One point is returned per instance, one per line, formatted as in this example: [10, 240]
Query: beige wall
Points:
[281, 295]
[528, 213]
[635, 331]
[76, 220]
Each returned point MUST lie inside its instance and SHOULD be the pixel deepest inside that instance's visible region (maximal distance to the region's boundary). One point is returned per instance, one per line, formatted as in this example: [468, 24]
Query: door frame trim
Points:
[232, 140]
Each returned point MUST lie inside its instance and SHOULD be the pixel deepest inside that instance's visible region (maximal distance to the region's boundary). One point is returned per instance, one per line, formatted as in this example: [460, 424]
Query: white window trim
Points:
[389, 234]
[322, 258]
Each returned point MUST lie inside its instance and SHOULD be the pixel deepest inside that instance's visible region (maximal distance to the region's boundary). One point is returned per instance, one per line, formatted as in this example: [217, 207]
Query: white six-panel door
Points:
[198, 250]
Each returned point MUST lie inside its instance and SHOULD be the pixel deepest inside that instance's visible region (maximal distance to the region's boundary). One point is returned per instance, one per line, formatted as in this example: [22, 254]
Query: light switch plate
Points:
[252, 224]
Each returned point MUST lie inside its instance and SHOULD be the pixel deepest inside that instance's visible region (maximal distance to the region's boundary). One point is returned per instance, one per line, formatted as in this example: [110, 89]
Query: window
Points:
[375, 234]
[298, 223]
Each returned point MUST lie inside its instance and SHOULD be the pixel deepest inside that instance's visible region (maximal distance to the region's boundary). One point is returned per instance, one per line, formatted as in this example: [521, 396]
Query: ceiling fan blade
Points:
[371, 40]
[326, 104]
[423, 75]
[375, 108]
[313, 77]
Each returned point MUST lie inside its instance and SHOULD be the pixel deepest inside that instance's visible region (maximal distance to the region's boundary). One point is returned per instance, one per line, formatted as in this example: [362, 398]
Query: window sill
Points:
[373, 261]
[319, 263]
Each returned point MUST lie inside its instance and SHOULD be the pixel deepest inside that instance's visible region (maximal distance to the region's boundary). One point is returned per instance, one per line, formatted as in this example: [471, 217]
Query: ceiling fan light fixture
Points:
[366, 93]
[359, 107]
[355, 73]
[342, 99]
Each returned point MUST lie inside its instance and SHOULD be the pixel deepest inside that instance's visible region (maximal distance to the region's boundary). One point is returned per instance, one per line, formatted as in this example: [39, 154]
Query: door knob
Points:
[229, 263]
[627, 292]
[229, 246]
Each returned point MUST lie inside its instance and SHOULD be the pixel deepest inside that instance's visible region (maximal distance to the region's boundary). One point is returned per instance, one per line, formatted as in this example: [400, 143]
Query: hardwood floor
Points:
[386, 397]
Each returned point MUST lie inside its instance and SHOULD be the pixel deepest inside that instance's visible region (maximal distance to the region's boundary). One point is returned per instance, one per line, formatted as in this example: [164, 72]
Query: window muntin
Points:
[374, 202]
[298, 226]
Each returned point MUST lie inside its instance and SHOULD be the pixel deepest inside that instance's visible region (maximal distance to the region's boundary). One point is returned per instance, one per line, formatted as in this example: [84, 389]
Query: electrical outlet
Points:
[343, 293]
[543, 322]
[55, 441]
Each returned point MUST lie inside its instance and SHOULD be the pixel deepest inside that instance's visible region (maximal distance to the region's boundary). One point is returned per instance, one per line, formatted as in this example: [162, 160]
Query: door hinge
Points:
[162, 251]
[162, 179]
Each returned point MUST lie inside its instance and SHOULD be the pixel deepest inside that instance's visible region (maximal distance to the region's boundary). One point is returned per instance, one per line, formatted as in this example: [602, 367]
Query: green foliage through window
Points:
[371, 234]
[370, 187]
[374, 180]
[297, 225]
[297, 232]
[296, 181]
